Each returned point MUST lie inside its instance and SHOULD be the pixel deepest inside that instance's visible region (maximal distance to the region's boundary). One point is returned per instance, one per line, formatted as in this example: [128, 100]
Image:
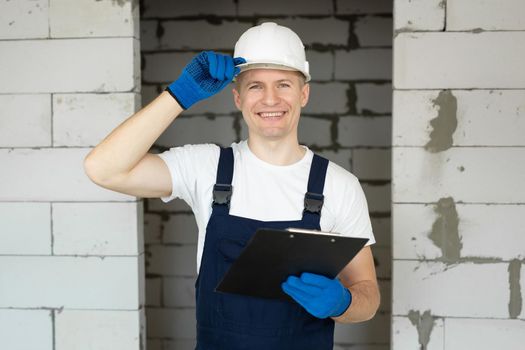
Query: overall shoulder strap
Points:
[222, 190]
[314, 198]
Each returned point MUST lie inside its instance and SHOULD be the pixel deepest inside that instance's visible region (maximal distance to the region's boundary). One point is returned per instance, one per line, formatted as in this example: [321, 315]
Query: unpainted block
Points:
[423, 60]
[483, 231]
[411, 15]
[445, 290]
[469, 118]
[406, 335]
[485, 15]
[420, 176]
[484, 334]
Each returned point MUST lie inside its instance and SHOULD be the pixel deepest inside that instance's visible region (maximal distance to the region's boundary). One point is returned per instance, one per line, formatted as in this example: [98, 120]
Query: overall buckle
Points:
[222, 194]
[313, 202]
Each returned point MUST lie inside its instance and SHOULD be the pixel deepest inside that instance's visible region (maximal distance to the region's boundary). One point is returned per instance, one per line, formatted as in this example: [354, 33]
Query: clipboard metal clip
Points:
[313, 202]
[222, 194]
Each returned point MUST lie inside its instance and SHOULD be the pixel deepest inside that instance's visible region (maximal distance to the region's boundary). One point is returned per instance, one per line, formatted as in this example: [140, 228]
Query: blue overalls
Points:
[236, 322]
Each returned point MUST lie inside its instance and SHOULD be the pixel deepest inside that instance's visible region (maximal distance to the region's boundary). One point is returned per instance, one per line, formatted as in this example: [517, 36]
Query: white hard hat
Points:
[271, 46]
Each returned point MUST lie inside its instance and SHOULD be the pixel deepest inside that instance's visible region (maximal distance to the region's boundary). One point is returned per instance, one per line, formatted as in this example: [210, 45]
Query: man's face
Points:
[271, 101]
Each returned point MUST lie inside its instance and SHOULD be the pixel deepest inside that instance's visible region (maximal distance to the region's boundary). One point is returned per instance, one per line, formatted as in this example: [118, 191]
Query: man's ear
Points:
[236, 98]
[305, 94]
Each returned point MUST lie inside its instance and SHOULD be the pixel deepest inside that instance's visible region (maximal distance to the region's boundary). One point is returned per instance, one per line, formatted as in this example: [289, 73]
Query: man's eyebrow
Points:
[260, 82]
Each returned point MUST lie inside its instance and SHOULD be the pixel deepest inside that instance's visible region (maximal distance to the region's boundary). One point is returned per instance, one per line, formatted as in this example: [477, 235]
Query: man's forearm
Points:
[125, 146]
[365, 302]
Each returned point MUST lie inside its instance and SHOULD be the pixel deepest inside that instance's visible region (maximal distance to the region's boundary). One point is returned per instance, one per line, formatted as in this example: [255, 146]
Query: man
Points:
[262, 182]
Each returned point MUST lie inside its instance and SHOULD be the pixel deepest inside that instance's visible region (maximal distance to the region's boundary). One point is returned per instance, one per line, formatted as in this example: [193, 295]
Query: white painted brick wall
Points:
[24, 19]
[423, 15]
[97, 228]
[484, 334]
[70, 282]
[86, 119]
[42, 181]
[424, 60]
[86, 18]
[486, 15]
[479, 113]
[424, 177]
[59, 61]
[25, 222]
[101, 329]
[454, 291]
[45, 51]
[25, 120]
[26, 329]
[405, 335]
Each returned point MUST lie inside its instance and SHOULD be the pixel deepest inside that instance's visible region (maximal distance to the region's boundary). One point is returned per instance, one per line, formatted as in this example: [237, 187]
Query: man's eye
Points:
[254, 87]
[284, 84]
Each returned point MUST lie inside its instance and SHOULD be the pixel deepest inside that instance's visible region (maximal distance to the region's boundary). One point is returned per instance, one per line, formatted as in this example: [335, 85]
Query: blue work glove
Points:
[205, 75]
[319, 295]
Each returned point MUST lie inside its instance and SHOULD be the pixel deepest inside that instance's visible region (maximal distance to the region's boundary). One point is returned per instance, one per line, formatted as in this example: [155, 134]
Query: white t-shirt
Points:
[264, 191]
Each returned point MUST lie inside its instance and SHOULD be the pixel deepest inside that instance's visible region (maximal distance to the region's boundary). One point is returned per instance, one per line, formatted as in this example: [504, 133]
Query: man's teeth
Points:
[272, 114]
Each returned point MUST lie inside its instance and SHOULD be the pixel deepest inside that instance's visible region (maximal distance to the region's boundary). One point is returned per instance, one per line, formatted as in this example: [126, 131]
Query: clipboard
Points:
[270, 256]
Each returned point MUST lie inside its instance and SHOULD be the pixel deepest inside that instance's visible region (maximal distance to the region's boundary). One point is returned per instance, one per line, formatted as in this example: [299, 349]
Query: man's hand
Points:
[205, 75]
[320, 296]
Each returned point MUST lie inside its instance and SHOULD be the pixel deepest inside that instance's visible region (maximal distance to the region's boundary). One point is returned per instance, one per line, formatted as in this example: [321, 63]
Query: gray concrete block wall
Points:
[348, 120]
[71, 253]
[457, 183]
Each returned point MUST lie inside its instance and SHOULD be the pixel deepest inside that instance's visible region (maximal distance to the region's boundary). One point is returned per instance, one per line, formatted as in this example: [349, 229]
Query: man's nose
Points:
[271, 96]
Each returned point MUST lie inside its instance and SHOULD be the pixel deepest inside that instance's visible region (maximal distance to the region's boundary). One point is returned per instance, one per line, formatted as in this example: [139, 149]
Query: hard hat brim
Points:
[270, 65]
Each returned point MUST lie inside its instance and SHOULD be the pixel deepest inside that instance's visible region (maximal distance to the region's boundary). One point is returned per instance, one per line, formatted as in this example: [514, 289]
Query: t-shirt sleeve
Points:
[353, 216]
[190, 166]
